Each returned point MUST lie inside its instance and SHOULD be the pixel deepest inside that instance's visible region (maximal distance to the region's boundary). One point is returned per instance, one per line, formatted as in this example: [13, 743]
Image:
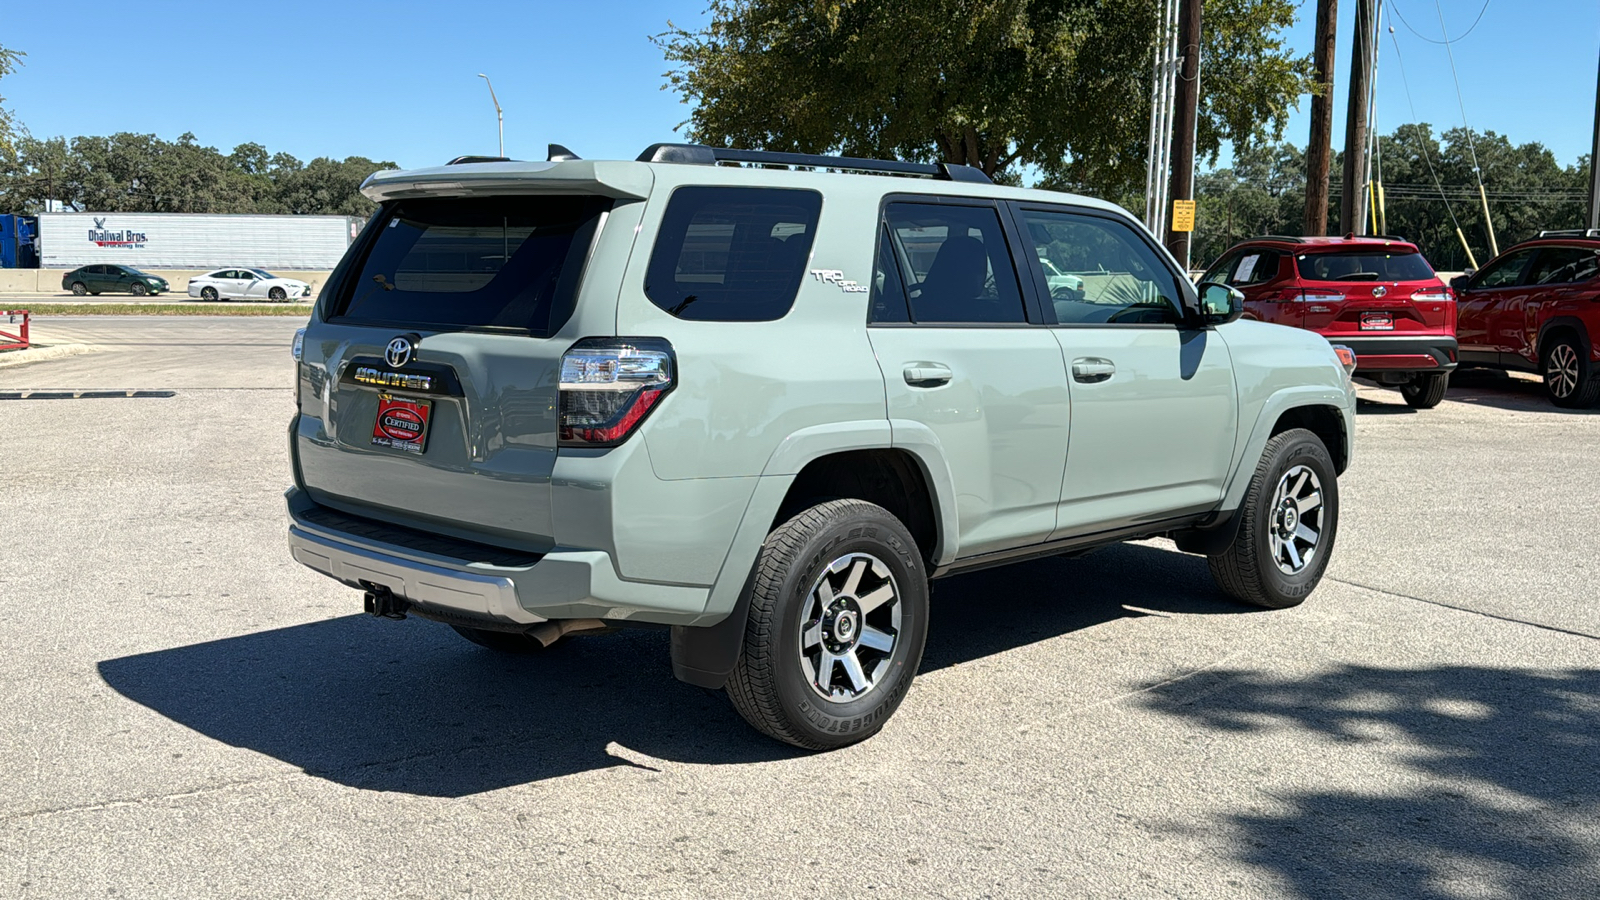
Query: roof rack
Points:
[699, 154]
[1572, 232]
[463, 160]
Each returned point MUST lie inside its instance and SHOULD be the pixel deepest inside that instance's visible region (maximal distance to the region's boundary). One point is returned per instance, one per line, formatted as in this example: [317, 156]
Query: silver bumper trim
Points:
[483, 596]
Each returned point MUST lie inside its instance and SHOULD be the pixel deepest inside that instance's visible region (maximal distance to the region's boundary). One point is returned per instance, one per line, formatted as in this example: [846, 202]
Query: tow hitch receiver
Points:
[381, 602]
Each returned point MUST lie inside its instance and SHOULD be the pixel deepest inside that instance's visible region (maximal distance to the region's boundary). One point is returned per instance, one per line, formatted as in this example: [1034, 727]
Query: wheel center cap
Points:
[844, 626]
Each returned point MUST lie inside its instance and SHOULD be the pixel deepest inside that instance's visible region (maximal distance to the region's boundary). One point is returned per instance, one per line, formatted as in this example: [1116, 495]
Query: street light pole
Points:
[497, 113]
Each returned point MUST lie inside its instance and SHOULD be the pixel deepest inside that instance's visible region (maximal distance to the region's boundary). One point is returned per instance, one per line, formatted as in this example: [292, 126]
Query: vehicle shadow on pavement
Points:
[1499, 390]
[411, 707]
[1497, 795]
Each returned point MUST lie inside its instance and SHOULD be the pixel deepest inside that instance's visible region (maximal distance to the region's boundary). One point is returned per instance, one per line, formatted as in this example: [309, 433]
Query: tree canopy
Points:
[1062, 86]
[9, 60]
[1263, 192]
[143, 173]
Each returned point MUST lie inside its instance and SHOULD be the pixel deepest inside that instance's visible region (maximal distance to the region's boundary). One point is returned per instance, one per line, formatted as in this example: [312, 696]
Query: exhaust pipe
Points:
[555, 630]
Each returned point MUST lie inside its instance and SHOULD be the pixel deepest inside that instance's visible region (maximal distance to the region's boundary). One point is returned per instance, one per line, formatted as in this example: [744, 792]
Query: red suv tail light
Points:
[1322, 297]
[1433, 295]
[608, 386]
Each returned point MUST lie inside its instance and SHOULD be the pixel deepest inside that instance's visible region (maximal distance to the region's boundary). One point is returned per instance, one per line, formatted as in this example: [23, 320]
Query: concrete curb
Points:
[42, 353]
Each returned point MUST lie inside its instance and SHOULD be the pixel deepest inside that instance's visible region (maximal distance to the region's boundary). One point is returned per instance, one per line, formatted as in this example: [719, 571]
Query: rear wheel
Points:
[1425, 391]
[1569, 378]
[138, 290]
[208, 293]
[277, 294]
[79, 289]
[838, 620]
[1290, 516]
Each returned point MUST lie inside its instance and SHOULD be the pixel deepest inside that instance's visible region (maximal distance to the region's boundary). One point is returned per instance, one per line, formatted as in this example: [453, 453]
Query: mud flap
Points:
[705, 656]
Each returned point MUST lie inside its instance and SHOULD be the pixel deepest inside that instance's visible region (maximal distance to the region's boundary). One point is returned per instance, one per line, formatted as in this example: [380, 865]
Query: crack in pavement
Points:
[1476, 612]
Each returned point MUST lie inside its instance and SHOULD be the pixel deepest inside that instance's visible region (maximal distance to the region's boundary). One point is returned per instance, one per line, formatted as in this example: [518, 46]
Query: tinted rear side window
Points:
[732, 254]
[492, 262]
[1365, 265]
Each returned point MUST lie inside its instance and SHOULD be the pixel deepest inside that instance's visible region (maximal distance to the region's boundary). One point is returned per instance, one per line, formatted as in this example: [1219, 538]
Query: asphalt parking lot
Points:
[187, 713]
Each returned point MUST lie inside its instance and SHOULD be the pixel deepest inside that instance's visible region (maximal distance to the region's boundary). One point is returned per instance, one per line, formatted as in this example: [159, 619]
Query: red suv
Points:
[1376, 295]
[1536, 308]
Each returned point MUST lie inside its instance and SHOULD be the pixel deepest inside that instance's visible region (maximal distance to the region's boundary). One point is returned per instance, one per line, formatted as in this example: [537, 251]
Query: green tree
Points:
[1058, 85]
[9, 61]
[328, 186]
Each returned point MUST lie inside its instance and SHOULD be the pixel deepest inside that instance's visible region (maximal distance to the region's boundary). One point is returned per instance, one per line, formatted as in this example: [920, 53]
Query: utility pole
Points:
[1185, 120]
[1161, 101]
[497, 113]
[1594, 166]
[1353, 195]
[1319, 152]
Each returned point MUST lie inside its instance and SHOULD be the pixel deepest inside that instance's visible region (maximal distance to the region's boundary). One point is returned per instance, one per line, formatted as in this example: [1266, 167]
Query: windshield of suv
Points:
[493, 262]
[1365, 265]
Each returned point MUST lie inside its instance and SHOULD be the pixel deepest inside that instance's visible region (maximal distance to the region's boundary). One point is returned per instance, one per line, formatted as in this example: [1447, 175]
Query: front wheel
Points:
[1425, 391]
[138, 290]
[1290, 516]
[277, 295]
[1569, 379]
[838, 620]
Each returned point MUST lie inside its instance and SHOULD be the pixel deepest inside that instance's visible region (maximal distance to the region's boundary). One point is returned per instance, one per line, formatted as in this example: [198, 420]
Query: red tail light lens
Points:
[609, 385]
[1433, 296]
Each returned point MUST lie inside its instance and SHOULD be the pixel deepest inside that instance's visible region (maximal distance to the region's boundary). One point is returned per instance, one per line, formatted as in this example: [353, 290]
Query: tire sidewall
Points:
[1288, 589]
[835, 724]
[79, 289]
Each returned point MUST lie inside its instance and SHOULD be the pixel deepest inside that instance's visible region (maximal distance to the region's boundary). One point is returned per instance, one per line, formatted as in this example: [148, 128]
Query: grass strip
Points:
[166, 309]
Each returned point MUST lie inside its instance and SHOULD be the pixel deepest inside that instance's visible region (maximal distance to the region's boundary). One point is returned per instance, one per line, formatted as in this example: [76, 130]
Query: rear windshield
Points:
[1365, 265]
[732, 254]
[492, 262]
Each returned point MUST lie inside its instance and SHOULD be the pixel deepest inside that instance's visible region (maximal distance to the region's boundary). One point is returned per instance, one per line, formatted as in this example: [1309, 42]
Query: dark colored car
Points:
[1536, 308]
[1376, 295]
[98, 278]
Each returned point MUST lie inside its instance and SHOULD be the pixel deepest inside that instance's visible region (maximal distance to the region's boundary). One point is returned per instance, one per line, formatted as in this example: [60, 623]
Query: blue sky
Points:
[397, 79]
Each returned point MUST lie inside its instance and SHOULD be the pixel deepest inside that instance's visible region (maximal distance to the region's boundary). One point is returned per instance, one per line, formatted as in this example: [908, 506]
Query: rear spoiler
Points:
[619, 180]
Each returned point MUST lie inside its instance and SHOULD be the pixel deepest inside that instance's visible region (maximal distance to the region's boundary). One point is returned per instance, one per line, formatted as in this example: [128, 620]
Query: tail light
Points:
[608, 386]
[1347, 359]
[1322, 297]
[1433, 295]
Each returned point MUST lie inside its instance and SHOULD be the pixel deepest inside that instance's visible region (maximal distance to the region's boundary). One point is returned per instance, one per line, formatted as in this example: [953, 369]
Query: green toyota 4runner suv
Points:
[764, 399]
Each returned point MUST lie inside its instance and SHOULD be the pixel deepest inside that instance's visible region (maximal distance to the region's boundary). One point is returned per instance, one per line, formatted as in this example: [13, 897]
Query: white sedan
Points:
[246, 284]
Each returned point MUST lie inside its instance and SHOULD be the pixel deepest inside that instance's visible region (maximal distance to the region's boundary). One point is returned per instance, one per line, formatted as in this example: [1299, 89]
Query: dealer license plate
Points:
[402, 423]
[1377, 321]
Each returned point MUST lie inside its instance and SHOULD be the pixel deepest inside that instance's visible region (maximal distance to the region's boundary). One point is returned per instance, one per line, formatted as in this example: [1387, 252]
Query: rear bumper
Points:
[1407, 353]
[562, 584]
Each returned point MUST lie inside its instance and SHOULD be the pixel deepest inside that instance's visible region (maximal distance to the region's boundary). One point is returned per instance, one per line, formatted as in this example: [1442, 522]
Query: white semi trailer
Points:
[194, 240]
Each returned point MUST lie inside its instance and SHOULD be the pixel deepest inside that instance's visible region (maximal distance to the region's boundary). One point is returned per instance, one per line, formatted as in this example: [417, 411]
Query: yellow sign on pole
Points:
[1183, 215]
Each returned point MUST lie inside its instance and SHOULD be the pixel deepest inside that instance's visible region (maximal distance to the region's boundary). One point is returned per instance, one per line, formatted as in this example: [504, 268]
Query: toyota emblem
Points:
[1378, 291]
[398, 353]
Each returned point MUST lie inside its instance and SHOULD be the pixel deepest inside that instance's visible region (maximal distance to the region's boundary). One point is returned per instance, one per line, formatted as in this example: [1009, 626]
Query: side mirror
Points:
[1459, 283]
[1220, 304]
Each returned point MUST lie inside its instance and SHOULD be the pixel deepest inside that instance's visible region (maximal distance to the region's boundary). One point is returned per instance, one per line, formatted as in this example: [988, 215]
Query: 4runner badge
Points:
[834, 276]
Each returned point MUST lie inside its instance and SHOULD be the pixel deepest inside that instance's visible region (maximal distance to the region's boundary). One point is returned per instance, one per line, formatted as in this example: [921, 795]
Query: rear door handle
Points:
[1092, 369]
[927, 374]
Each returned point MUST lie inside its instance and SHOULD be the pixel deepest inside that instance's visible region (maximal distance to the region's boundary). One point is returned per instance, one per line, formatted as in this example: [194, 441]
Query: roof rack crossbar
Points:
[1572, 232]
[701, 155]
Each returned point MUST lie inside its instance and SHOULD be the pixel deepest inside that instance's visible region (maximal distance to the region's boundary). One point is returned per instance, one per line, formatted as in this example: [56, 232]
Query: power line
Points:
[1448, 39]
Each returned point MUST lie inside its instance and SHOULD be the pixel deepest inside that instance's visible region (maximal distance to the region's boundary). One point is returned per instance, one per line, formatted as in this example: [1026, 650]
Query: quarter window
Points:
[732, 254]
[1099, 271]
[954, 264]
